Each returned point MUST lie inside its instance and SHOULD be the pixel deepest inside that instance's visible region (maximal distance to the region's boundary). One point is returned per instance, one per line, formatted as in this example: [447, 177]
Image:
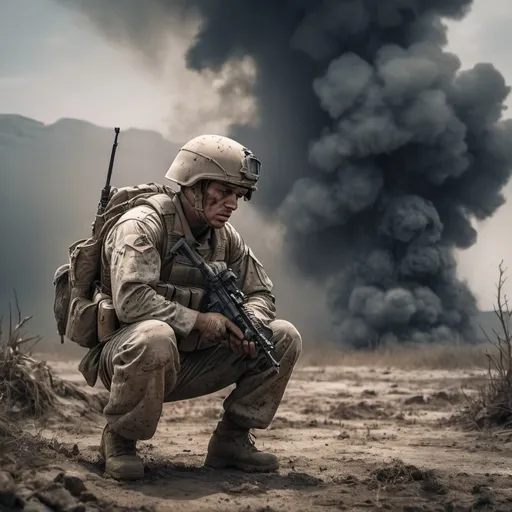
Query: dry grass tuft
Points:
[447, 356]
[492, 406]
[27, 386]
[397, 472]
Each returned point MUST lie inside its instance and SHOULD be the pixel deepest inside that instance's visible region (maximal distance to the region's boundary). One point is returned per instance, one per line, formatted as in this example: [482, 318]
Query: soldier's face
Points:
[220, 201]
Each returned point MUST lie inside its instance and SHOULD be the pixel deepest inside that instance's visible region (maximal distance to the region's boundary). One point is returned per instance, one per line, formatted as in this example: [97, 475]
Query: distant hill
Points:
[52, 176]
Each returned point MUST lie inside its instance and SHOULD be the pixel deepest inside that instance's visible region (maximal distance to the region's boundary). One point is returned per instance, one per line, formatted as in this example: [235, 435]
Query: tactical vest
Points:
[180, 281]
[83, 283]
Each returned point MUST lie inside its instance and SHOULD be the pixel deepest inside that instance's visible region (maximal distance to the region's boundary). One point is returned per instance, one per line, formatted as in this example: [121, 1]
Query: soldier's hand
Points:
[241, 346]
[215, 327]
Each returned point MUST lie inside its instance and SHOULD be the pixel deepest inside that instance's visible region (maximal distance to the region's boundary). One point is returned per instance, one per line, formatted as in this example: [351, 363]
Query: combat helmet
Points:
[214, 157]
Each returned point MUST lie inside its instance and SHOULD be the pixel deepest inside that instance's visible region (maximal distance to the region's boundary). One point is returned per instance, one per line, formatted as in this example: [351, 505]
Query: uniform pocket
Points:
[82, 325]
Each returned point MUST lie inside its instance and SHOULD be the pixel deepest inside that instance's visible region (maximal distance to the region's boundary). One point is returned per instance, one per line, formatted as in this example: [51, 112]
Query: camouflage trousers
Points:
[142, 368]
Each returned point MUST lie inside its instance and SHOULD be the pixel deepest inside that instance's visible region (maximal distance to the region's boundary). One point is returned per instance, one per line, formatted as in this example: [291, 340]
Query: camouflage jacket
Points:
[146, 284]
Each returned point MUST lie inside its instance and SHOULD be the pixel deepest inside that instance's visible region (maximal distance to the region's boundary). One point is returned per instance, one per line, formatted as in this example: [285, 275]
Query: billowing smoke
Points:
[379, 152]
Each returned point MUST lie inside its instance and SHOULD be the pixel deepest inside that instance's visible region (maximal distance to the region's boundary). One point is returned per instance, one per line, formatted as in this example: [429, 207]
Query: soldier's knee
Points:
[155, 344]
[286, 337]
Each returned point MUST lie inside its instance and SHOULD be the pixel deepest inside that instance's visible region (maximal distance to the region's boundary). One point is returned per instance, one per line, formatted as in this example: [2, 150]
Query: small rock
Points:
[87, 497]
[304, 479]
[434, 487]
[39, 483]
[7, 483]
[417, 474]
[486, 499]
[56, 496]
[243, 488]
[72, 483]
[419, 399]
[36, 506]
[479, 488]
[8, 497]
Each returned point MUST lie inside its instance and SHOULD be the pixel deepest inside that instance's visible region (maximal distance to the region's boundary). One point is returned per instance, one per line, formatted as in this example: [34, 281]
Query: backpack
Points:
[78, 283]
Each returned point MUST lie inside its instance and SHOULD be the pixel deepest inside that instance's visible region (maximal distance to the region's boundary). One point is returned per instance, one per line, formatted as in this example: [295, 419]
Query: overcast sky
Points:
[53, 64]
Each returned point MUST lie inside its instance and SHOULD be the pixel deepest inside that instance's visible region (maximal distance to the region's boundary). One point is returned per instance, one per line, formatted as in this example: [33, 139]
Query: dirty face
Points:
[220, 200]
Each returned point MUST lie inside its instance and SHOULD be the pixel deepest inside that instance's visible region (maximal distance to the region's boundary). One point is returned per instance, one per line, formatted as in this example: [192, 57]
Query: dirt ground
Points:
[366, 437]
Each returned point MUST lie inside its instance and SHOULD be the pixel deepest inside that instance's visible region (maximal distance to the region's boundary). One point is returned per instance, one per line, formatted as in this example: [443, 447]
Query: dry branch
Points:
[27, 386]
[492, 406]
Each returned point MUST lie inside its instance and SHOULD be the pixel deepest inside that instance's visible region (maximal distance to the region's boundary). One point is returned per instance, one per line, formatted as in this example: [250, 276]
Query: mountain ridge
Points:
[53, 176]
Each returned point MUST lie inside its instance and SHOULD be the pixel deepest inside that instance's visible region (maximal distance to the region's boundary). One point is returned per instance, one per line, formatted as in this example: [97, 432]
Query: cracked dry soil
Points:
[348, 439]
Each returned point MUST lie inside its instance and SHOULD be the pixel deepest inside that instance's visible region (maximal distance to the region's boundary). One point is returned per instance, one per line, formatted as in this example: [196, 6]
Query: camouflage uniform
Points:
[154, 357]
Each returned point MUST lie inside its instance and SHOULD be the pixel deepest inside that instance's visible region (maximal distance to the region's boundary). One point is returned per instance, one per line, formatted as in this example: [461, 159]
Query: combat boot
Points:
[233, 446]
[120, 456]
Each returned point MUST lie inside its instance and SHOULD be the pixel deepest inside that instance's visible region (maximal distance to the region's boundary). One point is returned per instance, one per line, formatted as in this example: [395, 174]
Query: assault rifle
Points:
[225, 297]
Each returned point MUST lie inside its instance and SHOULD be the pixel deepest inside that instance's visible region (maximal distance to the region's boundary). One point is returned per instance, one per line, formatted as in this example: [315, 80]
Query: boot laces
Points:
[244, 437]
[248, 439]
[123, 446]
[119, 445]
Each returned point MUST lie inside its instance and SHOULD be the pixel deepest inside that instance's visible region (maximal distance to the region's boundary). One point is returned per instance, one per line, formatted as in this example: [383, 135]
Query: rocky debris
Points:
[399, 473]
[29, 388]
[362, 410]
[9, 500]
[438, 399]
[415, 400]
[65, 493]
[304, 479]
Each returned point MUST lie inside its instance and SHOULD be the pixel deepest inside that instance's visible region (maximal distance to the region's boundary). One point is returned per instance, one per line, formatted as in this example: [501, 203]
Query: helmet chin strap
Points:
[199, 189]
[197, 206]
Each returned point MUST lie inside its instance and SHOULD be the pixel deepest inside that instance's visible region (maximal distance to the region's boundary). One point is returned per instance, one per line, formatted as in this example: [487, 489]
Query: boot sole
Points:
[137, 474]
[134, 475]
[217, 463]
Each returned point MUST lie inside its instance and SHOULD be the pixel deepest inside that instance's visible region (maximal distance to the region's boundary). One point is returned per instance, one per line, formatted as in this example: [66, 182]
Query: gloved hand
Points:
[215, 327]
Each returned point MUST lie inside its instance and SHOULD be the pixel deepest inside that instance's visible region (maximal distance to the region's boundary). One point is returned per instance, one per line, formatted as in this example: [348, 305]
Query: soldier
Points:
[166, 349]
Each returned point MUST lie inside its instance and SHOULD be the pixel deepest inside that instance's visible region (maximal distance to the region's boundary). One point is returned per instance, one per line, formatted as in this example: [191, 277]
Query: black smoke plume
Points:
[379, 152]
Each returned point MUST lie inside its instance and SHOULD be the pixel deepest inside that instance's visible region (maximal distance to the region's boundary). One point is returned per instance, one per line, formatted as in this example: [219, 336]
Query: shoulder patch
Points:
[140, 243]
[253, 256]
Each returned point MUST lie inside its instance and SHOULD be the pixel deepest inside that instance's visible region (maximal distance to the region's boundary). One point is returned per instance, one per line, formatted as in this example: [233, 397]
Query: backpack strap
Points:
[221, 250]
[164, 206]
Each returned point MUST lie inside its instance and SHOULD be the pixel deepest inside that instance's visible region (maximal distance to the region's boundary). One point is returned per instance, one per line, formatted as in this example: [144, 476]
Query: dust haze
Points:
[381, 151]
[53, 175]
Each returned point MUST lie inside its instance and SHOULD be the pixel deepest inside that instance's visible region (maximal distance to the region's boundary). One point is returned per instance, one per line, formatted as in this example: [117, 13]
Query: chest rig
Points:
[180, 281]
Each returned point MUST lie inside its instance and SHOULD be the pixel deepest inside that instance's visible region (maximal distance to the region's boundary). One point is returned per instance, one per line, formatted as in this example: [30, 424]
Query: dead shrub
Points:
[492, 405]
[398, 472]
[27, 387]
[25, 384]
